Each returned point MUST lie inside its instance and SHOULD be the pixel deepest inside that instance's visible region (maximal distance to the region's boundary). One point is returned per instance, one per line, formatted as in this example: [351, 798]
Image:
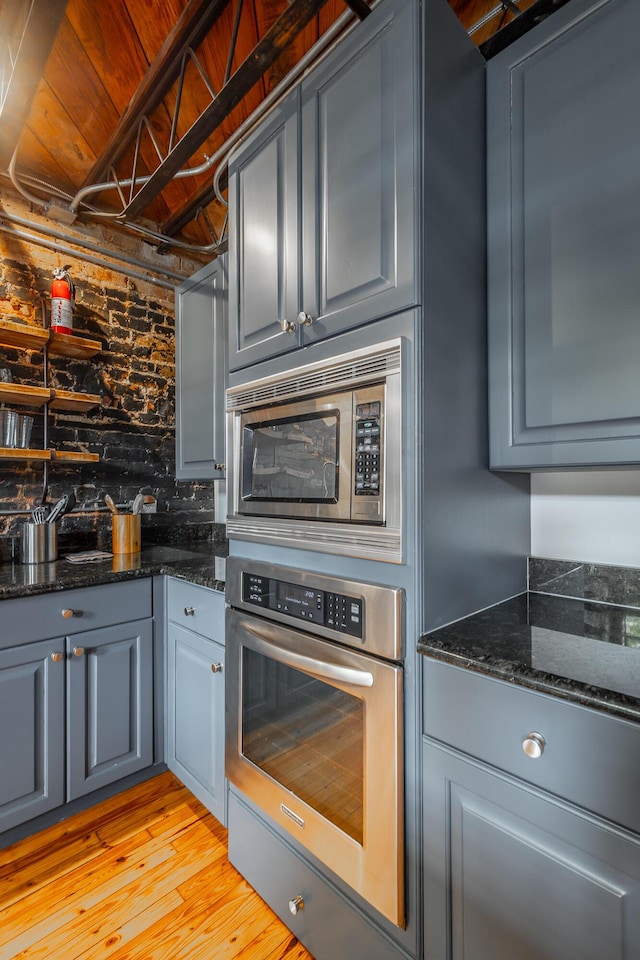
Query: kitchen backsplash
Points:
[585, 581]
[134, 375]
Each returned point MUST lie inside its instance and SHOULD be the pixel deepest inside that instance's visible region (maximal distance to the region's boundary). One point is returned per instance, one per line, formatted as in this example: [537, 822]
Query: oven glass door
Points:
[296, 459]
[308, 736]
[314, 739]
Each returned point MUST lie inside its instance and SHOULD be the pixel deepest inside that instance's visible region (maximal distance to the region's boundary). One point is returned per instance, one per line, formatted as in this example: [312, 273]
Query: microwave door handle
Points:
[318, 668]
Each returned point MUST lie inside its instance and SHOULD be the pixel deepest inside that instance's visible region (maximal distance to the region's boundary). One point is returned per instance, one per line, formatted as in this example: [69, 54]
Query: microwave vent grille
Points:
[365, 368]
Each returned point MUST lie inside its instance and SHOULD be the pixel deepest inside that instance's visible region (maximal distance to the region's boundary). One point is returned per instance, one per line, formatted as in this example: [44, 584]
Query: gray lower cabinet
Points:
[109, 705]
[514, 874]
[512, 870]
[76, 695]
[195, 695]
[201, 378]
[322, 919]
[322, 208]
[32, 744]
[563, 214]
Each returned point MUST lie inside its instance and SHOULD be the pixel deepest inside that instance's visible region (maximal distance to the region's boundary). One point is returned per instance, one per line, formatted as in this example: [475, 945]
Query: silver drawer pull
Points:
[57, 656]
[296, 905]
[189, 611]
[67, 613]
[216, 667]
[78, 651]
[304, 319]
[287, 326]
[533, 745]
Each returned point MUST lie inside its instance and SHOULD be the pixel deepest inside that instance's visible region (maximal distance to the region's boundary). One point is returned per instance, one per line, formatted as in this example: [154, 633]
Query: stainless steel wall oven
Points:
[314, 718]
[317, 452]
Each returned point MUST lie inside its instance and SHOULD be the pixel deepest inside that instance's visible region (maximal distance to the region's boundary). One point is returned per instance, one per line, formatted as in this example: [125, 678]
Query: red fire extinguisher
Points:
[62, 300]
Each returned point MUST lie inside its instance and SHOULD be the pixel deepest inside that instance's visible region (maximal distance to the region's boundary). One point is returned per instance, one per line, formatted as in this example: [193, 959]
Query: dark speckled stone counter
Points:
[579, 649]
[195, 562]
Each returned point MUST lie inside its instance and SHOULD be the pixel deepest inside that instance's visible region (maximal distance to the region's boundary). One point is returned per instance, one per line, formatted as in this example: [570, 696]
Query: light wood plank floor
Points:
[142, 876]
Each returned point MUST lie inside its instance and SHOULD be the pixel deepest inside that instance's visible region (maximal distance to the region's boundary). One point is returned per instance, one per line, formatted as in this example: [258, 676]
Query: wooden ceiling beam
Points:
[285, 29]
[28, 34]
[195, 22]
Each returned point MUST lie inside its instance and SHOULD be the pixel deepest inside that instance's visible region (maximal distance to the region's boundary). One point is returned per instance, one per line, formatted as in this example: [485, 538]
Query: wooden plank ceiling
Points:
[94, 92]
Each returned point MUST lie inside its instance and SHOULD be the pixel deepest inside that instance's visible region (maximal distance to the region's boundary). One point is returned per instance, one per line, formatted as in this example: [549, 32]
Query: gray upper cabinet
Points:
[201, 379]
[264, 239]
[359, 175]
[564, 240]
[322, 199]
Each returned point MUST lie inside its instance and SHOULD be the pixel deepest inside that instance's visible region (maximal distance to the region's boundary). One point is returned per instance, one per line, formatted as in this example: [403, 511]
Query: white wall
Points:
[591, 516]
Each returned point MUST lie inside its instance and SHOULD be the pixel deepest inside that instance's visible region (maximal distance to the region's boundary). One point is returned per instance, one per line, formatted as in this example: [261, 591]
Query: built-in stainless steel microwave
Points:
[317, 449]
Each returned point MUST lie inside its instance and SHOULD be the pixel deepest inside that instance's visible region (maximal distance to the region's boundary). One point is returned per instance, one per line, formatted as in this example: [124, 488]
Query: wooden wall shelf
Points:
[20, 453]
[29, 337]
[24, 395]
[68, 400]
[69, 345]
[73, 456]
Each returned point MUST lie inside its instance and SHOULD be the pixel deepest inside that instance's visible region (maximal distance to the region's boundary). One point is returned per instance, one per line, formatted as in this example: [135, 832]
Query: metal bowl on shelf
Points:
[15, 429]
[8, 428]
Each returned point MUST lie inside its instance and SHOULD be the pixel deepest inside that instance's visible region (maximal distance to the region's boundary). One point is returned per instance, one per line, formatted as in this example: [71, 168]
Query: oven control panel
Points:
[336, 611]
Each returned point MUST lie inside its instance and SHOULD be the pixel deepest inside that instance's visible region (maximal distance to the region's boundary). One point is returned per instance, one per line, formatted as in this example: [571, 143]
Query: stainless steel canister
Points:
[39, 542]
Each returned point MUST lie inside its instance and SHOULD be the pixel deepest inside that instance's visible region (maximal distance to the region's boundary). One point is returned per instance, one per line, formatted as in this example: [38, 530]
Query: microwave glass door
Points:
[295, 459]
[308, 736]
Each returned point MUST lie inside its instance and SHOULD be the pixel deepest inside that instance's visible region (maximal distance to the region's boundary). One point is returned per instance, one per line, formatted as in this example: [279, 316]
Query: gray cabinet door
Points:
[564, 244]
[201, 373]
[32, 731]
[359, 175]
[110, 705]
[264, 238]
[195, 715]
[510, 872]
[322, 200]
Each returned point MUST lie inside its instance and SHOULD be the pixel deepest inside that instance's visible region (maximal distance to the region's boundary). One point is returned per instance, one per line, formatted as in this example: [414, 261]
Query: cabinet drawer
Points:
[197, 608]
[279, 875]
[40, 617]
[589, 758]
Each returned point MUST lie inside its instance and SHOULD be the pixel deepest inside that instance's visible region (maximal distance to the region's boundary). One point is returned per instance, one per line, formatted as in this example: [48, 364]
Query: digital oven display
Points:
[333, 610]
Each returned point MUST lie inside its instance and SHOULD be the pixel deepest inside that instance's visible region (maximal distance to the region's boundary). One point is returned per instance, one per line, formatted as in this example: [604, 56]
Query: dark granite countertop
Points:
[578, 649]
[193, 561]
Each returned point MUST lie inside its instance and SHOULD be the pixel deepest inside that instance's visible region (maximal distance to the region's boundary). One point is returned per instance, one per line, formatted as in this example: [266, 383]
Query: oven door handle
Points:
[319, 668]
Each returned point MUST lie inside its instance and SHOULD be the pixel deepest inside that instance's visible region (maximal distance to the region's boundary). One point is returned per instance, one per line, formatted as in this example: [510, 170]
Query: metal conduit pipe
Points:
[58, 248]
[89, 245]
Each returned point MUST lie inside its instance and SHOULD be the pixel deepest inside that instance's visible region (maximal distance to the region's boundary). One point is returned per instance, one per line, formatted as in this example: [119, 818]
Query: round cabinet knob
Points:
[67, 613]
[296, 905]
[189, 611]
[78, 651]
[56, 656]
[304, 319]
[287, 326]
[216, 668]
[533, 745]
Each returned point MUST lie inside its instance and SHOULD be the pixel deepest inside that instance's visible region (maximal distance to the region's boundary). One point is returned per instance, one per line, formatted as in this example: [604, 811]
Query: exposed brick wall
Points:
[133, 430]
